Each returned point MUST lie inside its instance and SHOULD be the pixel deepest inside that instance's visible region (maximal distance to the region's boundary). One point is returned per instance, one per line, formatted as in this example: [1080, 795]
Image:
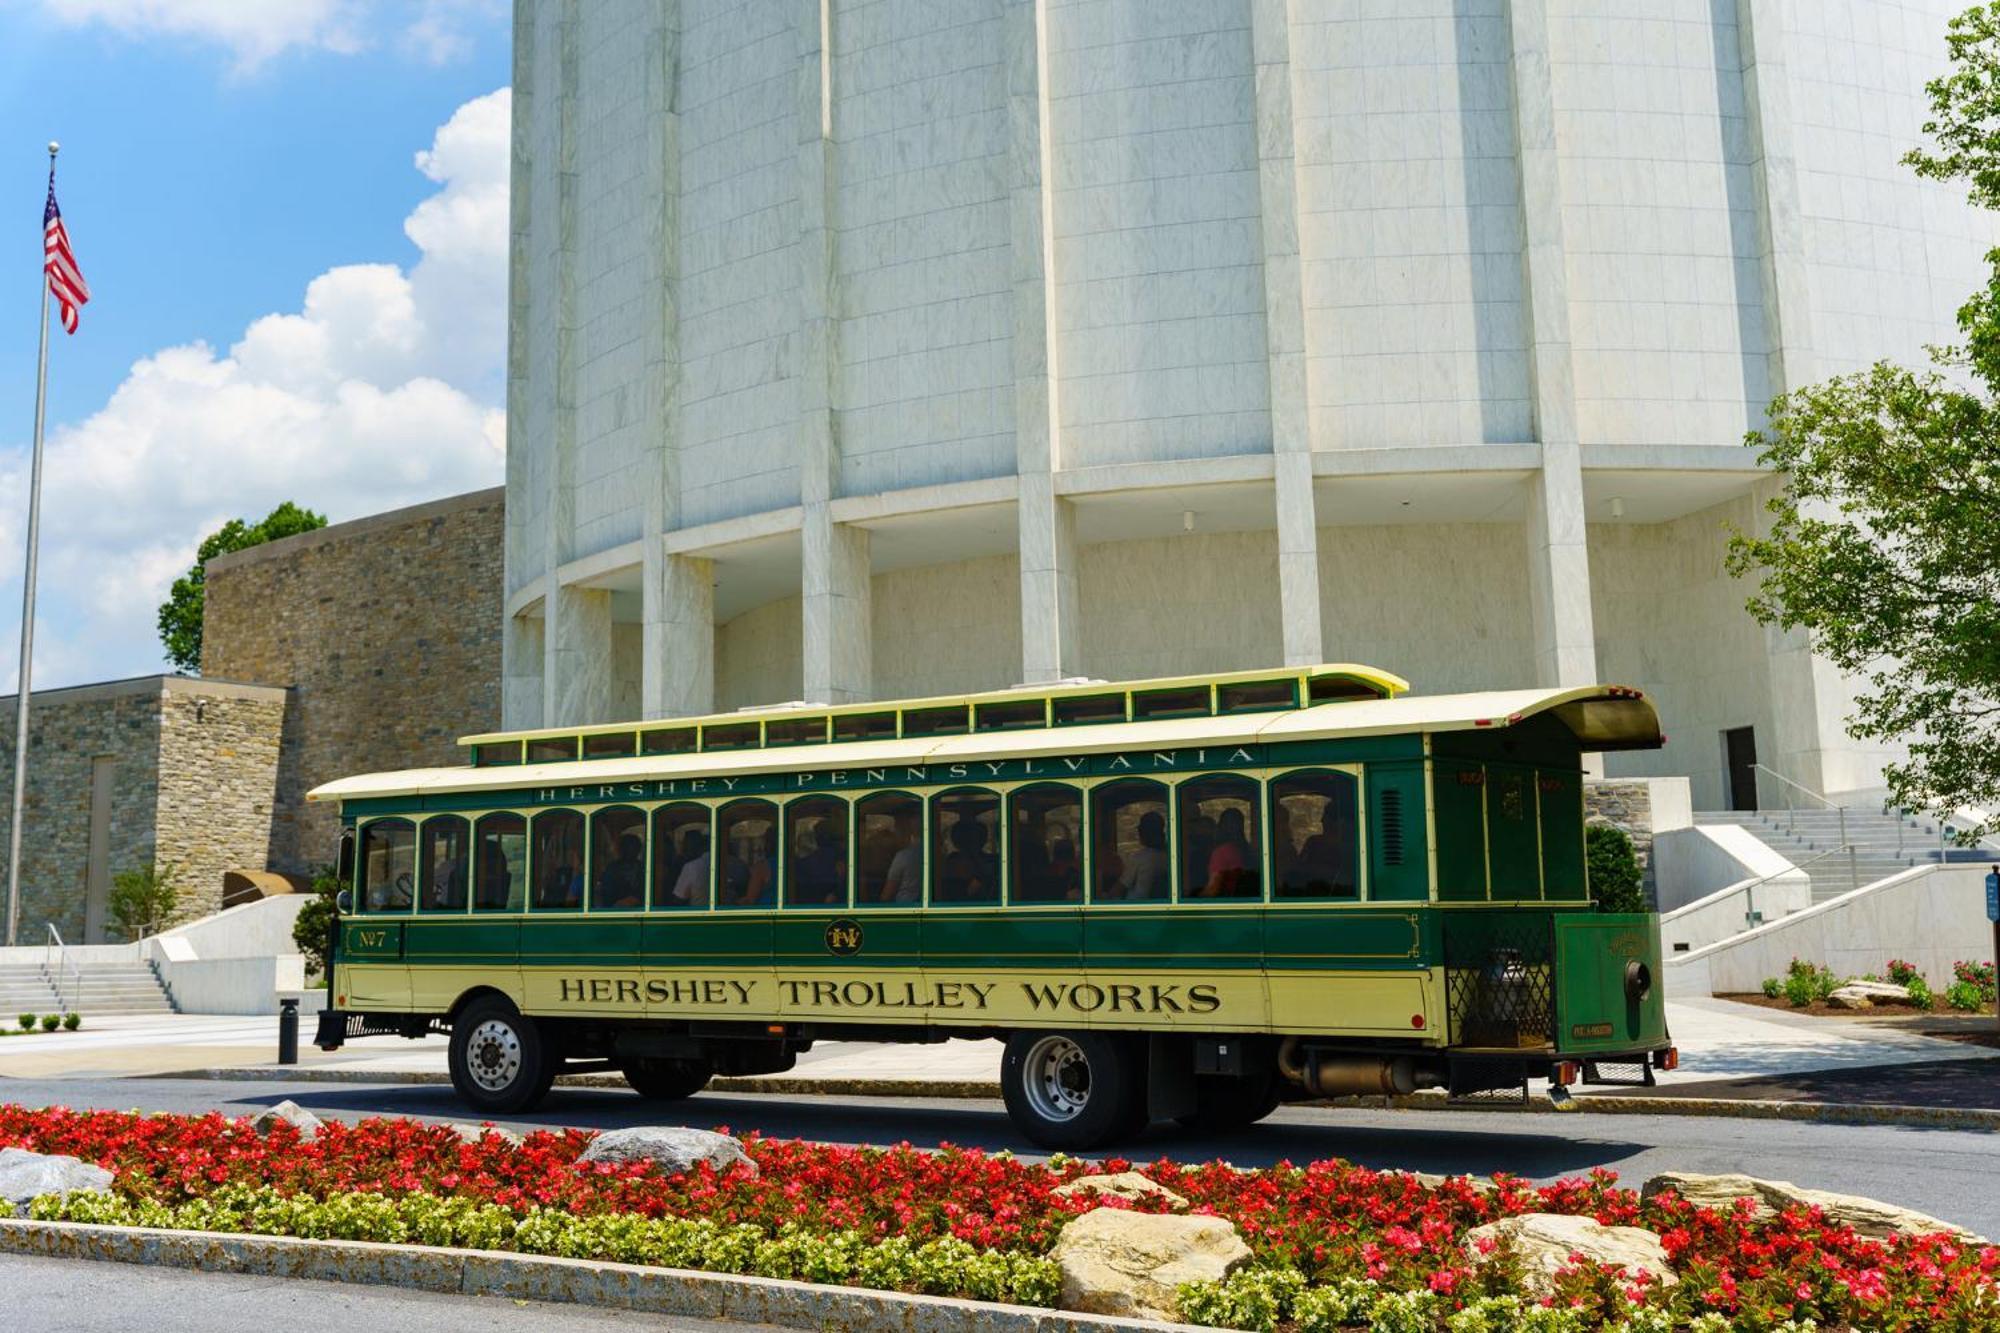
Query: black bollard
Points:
[288, 1031]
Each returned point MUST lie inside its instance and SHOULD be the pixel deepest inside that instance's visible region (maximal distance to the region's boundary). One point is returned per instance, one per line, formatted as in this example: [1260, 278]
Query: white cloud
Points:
[253, 31]
[381, 390]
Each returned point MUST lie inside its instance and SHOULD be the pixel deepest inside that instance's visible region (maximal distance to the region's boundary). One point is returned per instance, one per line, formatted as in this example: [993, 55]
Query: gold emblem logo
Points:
[843, 937]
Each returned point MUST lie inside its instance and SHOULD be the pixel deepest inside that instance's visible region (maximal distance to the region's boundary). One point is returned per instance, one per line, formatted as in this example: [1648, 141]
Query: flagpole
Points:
[28, 615]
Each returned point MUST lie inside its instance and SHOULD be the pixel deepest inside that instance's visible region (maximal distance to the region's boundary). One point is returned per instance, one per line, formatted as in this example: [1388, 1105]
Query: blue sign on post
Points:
[1993, 896]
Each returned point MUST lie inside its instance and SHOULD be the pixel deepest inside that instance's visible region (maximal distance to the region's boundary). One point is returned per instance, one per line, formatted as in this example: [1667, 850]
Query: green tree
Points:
[180, 614]
[1612, 869]
[310, 926]
[1885, 544]
[144, 899]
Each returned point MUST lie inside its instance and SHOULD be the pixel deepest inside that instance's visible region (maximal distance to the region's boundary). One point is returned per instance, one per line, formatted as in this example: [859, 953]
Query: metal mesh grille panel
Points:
[1500, 978]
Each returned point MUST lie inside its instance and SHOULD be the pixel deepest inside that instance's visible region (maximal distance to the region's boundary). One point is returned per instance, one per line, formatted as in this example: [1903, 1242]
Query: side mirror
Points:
[343, 902]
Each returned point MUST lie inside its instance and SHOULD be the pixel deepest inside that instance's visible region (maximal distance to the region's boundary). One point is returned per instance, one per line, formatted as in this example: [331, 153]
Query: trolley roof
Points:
[1601, 717]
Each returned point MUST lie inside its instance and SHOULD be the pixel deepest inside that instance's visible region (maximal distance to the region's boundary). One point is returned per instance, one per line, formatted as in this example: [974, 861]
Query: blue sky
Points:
[218, 158]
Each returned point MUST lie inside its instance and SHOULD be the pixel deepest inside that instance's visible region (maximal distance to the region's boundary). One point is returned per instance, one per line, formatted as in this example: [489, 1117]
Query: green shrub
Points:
[1903, 973]
[71, 1022]
[1773, 988]
[50, 1022]
[946, 1266]
[27, 1022]
[1612, 869]
[1920, 994]
[1805, 982]
[309, 927]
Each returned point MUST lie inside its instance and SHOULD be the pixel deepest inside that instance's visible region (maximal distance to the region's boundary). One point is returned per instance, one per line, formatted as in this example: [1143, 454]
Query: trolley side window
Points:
[500, 863]
[889, 850]
[443, 867]
[1129, 857]
[816, 852]
[680, 856]
[558, 860]
[1221, 848]
[1046, 865]
[965, 855]
[388, 865]
[617, 860]
[1316, 836]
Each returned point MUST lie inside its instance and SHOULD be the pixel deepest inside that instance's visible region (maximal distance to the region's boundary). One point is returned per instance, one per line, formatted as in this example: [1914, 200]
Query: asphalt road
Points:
[71, 1296]
[1947, 1173]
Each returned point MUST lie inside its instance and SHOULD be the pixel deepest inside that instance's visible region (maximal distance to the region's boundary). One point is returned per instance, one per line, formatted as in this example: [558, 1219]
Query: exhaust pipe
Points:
[1353, 1075]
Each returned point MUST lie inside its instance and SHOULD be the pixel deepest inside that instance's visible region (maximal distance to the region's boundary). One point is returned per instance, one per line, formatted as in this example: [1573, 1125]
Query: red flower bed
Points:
[1328, 1219]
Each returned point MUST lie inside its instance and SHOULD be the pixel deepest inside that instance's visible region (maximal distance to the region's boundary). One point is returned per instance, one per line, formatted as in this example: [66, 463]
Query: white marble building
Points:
[873, 348]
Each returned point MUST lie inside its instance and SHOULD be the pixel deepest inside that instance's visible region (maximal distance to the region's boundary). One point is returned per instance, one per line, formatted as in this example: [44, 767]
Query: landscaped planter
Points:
[1332, 1245]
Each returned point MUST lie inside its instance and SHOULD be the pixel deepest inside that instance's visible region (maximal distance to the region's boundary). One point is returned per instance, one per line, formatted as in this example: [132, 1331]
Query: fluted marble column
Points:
[1285, 335]
[1047, 525]
[1558, 552]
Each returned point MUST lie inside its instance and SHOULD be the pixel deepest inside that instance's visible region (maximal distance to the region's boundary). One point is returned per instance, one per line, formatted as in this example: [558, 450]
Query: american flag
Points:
[66, 282]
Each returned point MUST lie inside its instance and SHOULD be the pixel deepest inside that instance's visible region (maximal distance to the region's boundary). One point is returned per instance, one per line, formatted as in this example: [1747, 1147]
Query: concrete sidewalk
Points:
[1718, 1039]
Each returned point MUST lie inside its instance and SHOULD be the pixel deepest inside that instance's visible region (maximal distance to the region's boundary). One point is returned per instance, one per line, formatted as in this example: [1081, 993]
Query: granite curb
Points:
[669, 1291]
[1832, 1113]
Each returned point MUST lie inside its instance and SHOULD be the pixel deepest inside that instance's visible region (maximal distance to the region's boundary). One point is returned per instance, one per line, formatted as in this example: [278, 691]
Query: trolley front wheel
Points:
[499, 1061]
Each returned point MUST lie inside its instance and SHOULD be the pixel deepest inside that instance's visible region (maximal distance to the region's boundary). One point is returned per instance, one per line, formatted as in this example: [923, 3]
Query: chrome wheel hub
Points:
[1058, 1078]
[493, 1055]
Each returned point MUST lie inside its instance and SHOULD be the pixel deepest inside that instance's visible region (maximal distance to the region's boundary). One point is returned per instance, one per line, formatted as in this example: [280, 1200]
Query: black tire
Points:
[499, 1060]
[1231, 1103]
[1073, 1091]
[668, 1080]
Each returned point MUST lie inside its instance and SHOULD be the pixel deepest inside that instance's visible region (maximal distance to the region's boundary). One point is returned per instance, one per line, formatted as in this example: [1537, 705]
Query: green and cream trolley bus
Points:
[1172, 899]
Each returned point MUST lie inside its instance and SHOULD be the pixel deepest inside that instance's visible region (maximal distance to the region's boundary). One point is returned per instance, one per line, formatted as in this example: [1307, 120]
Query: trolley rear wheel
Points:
[1073, 1091]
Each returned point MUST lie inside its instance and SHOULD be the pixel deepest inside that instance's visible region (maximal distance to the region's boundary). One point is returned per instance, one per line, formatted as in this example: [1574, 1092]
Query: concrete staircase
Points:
[24, 990]
[115, 988]
[1884, 844]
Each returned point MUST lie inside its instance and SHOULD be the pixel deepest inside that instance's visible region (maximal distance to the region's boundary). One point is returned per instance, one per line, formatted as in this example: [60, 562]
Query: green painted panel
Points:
[1347, 750]
[1513, 834]
[371, 940]
[1173, 937]
[1593, 1010]
[471, 941]
[1303, 940]
[1011, 937]
[1542, 739]
[1398, 858]
[884, 940]
[706, 939]
[1562, 835]
[1460, 792]
[615, 941]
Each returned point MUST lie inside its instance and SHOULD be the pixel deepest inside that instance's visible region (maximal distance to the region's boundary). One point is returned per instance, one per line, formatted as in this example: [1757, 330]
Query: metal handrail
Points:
[1751, 917]
[65, 968]
[1792, 823]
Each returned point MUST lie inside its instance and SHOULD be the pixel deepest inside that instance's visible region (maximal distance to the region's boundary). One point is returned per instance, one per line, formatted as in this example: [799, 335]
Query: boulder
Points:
[1129, 1185]
[474, 1133]
[24, 1174]
[1118, 1262]
[1870, 1217]
[671, 1148]
[1869, 992]
[1547, 1243]
[290, 1113]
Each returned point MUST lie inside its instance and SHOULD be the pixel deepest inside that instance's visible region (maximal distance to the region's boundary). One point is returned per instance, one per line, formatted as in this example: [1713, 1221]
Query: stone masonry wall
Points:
[386, 630]
[1626, 805]
[67, 730]
[218, 780]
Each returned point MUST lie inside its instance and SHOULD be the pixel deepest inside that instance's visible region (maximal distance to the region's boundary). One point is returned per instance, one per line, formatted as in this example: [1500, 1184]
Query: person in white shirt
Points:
[1147, 873]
